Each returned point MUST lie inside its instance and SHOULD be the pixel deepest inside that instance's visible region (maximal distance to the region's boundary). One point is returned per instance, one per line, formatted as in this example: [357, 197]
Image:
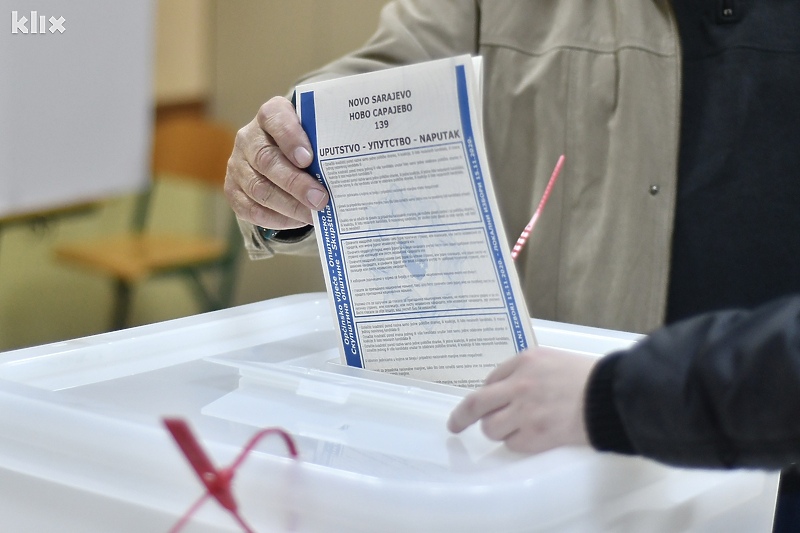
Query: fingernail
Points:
[302, 156]
[317, 198]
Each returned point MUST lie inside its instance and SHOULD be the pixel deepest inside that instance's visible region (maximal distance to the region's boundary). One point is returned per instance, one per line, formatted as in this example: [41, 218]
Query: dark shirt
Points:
[736, 241]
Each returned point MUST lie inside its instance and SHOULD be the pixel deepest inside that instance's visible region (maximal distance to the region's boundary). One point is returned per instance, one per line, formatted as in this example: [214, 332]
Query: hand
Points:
[533, 401]
[265, 183]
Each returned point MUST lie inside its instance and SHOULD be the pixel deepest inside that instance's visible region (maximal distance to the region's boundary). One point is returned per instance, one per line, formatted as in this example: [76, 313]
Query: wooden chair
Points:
[194, 149]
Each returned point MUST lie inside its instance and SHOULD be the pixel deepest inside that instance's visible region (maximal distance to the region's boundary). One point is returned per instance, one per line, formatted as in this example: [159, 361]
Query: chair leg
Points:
[122, 300]
[227, 284]
[222, 296]
[201, 293]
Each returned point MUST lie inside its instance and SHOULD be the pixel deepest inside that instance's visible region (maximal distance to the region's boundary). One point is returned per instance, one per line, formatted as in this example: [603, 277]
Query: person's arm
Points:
[266, 185]
[718, 390]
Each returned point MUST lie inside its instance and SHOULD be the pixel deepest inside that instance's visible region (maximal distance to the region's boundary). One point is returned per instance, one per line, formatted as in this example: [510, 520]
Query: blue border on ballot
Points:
[483, 200]
[331, 243]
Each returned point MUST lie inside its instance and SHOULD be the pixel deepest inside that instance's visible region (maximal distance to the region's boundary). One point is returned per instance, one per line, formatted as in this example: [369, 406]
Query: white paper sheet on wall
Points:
[75, 101]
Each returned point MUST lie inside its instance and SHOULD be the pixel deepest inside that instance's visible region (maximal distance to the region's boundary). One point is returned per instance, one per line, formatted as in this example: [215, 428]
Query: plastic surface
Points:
[82, 446]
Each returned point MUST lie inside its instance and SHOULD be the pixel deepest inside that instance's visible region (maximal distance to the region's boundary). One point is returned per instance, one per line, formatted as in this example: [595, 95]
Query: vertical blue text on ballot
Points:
[474, 165]
[334, 261]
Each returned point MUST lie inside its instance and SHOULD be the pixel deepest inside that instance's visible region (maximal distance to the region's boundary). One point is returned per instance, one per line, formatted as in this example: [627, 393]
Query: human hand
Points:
[265, 184]
[533, 401]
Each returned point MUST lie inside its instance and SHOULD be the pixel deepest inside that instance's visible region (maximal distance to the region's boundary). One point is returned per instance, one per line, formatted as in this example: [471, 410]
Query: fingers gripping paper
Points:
[416, 261]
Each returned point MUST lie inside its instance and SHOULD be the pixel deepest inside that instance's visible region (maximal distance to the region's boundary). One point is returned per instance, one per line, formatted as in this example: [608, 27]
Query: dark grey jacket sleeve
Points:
[718, 390]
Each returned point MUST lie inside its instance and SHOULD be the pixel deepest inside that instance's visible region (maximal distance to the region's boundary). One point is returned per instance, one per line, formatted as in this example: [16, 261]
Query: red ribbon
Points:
[217, 481]
[523, 238]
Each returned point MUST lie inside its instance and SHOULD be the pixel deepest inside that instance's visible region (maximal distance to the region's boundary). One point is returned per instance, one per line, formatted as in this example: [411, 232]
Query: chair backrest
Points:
[188, 148]
[193, 148]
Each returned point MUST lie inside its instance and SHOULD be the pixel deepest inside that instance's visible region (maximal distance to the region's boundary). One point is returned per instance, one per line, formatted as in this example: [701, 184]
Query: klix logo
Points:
[38, 23]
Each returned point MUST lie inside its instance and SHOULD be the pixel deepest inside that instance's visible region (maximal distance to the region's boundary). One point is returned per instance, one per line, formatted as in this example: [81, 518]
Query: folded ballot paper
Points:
[416, 262]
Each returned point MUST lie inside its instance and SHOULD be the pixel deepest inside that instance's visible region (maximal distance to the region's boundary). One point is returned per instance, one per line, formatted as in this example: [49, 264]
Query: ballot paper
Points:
[416, 262]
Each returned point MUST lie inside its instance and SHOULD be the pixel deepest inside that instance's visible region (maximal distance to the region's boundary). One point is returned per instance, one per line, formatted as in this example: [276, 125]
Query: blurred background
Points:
[205, 59]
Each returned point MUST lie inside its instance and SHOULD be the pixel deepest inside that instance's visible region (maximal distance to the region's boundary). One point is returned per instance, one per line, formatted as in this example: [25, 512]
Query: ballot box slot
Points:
[355, 391]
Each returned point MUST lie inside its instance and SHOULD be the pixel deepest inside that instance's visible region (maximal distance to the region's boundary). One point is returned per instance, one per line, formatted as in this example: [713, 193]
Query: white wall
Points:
[183, 40]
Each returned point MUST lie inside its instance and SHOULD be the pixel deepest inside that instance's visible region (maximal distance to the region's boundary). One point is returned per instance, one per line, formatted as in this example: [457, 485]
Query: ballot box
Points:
[83, 447]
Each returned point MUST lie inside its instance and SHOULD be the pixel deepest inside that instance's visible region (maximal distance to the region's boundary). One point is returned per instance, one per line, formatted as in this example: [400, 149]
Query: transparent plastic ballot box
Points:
[83, 447]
